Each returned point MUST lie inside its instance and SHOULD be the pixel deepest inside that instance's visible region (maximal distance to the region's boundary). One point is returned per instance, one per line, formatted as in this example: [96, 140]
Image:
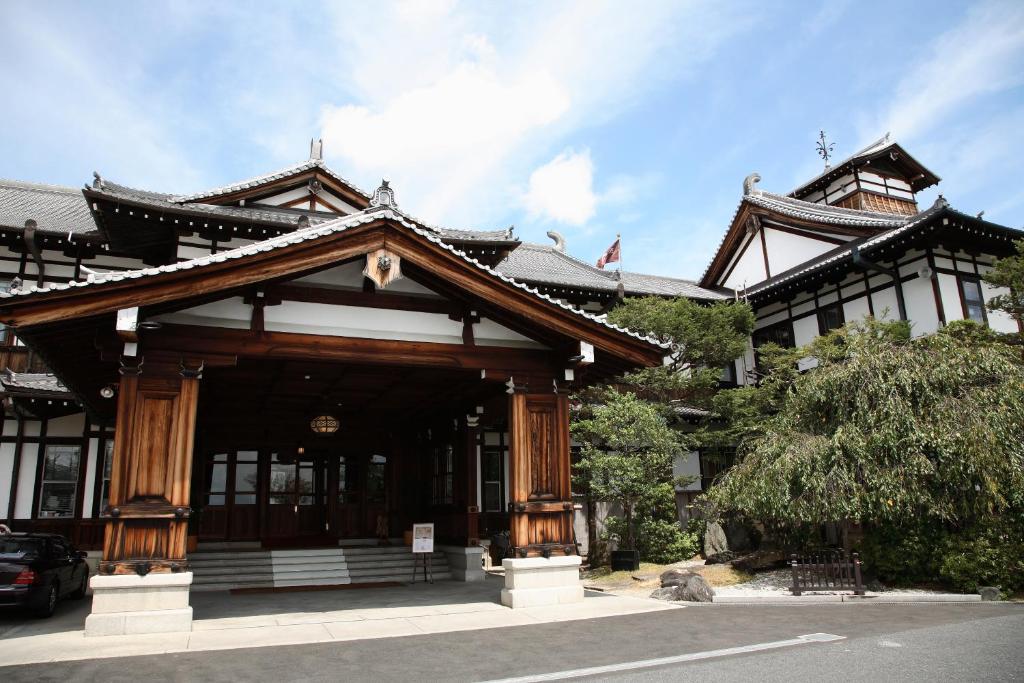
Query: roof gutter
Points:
[30, 242]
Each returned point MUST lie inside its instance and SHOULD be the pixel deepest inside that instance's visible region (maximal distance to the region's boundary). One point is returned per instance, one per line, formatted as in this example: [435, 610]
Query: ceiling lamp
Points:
[324, 424]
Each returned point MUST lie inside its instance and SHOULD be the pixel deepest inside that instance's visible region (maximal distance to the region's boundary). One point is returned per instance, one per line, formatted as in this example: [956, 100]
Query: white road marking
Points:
[678, 659]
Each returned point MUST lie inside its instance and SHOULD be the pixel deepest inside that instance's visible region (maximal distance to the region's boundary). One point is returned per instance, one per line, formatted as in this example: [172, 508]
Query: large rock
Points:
[721, 558]
[761, 561]
[988, 593]
[675, 576]
[715, 540]
[738, 537]
[682, 585]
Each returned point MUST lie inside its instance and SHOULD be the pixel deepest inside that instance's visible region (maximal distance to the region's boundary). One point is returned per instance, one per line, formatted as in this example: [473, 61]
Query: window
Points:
[779, 333]
[492, 471]
[973, 300]
[217, 479]
[713, 462]
[246, 473]
[830, 318]
[108, 463]
[375, 491]
[59, 483]
[444, 475]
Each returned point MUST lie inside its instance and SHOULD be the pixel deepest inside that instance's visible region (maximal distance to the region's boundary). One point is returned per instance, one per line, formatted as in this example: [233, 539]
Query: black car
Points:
[37, 570]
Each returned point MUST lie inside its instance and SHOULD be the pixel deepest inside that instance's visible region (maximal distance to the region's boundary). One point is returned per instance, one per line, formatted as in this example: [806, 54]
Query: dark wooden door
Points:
[359, 484]
[295, 497]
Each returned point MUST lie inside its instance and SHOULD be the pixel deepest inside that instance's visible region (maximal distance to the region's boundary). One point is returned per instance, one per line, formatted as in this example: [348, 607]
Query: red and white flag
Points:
[611, 255]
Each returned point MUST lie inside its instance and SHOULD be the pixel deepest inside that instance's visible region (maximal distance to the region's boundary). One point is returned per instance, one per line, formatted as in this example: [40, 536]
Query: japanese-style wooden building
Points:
[288, 361]
[292, 362]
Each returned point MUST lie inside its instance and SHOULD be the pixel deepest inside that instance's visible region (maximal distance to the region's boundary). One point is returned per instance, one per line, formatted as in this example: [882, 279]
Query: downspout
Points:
[37, 256]
[861, 262]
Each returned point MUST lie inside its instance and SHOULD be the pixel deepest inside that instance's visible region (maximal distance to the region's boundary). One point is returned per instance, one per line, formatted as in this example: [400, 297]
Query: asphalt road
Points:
[911, 642]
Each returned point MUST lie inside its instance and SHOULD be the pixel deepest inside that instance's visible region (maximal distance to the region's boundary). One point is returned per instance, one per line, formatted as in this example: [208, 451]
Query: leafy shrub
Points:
[986, 555]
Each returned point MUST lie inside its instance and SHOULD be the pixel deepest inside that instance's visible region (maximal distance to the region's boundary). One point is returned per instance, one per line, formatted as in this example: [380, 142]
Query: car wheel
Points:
[82, 586]
[47, 608]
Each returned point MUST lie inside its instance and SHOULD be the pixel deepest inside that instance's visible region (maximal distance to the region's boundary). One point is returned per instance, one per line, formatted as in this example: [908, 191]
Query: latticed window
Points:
[108, 462]
[492, 471]
[59, 483]
[444, 475]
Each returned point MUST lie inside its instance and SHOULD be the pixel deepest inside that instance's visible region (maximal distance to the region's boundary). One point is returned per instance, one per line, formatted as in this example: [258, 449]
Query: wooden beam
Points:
[346, 297]
[199, 341]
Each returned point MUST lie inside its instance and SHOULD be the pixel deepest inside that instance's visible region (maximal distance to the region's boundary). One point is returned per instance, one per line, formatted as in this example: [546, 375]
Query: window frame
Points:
[963, 280]
[823, 327]
[42, 481]
[500, 450]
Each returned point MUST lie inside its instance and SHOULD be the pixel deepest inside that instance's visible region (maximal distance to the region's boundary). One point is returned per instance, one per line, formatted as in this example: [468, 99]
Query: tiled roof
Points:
[866, 244]
[53, 208]
[294, 169]
[32, 382]
[163, 202]
[313, 232]
[824, 213]
[880, 145]
[638, 283]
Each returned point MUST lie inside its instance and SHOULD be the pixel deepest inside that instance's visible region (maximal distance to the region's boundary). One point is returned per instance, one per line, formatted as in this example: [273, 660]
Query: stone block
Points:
[128, 604]
[465, 564]
[538, 581]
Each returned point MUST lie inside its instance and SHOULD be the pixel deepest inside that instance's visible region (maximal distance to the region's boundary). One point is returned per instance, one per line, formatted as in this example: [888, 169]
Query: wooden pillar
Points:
[471, 445]
[147, 514]
[541, 508]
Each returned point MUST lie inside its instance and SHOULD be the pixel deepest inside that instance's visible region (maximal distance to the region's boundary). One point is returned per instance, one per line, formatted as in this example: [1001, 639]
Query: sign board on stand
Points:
[423, 550]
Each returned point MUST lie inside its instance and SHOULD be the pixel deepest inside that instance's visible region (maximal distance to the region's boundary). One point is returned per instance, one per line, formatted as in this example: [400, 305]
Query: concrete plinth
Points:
[130, 604]
[465, 564]
[538, 581]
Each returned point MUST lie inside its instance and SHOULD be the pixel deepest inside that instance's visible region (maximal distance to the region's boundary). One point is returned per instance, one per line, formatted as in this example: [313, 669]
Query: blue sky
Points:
[589, 118]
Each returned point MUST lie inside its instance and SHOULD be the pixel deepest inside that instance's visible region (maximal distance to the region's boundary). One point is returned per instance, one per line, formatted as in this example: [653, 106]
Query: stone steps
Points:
[224, 569]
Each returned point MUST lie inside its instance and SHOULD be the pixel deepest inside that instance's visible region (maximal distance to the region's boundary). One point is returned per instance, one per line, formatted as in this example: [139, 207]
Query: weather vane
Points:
[825, 148]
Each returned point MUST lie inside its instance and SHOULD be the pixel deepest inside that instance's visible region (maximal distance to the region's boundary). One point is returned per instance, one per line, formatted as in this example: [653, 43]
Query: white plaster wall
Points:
[856, 310]
[886, 299]
[749, 269]
[687, 465]
[91, 465]
[787, 251]
[949, 290]
[6, 472]
[997, 320]
[919, 298]
[232, 313]
[26, 481]
[805, 330]
[350, 276]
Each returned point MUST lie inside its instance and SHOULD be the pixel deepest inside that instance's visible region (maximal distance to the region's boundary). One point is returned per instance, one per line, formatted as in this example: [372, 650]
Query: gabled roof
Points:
[268, 178]
[54, 208]
[884, 146]
[940, 210]
[101, 281]
[810, 214]
[547, 265]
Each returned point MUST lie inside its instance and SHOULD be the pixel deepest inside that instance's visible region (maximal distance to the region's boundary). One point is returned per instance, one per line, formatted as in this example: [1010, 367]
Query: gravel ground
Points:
[778, 582]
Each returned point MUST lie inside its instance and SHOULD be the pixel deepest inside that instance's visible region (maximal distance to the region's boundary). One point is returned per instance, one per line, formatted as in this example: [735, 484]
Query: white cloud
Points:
[981, 56]
[563, 189]
[459, 102]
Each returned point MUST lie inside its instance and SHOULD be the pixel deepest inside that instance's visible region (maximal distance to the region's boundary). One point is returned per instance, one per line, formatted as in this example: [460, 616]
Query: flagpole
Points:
[618, 238]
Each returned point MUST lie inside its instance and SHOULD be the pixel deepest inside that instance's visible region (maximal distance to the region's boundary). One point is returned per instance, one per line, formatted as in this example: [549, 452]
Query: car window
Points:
[20, 548]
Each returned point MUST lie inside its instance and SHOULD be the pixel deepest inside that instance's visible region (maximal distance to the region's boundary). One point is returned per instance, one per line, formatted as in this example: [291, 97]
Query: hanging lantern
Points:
[324, 424]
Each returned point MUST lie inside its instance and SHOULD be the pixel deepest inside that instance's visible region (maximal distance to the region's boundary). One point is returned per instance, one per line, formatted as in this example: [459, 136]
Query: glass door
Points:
[295, 501]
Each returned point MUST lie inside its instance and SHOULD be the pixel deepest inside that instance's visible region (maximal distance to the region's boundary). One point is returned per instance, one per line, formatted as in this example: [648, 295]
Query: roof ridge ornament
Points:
[97, 180]
[749, 182]
[316, 149]
[383, 196]
[558, 239]
[825, 148]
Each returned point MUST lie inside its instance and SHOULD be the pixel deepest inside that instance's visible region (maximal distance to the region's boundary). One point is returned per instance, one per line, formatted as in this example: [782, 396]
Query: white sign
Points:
[423, 538]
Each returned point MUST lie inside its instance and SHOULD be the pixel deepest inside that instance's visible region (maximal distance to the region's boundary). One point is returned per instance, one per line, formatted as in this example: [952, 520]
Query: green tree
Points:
[886, 430]
[626, 457]
[1008, 272]
[703, 339]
